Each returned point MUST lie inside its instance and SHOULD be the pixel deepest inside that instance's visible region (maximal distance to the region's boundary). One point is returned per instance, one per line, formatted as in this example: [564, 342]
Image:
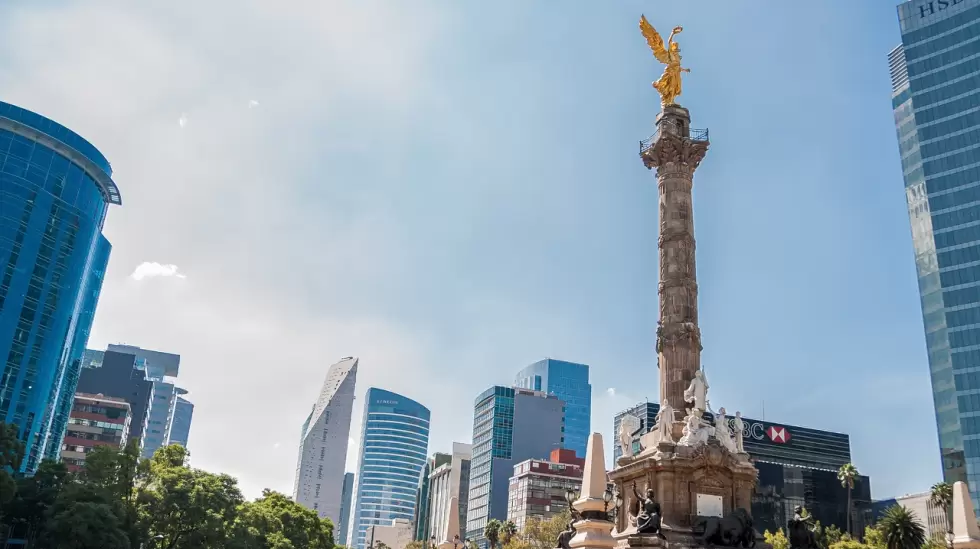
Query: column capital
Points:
[672, 154]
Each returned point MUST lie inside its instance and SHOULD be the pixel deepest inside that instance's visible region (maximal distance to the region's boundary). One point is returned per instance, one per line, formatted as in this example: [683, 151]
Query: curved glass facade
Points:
[55, 189]
[394, 445]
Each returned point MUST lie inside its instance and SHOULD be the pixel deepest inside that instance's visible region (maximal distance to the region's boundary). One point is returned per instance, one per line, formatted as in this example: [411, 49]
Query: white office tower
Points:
[323, 443]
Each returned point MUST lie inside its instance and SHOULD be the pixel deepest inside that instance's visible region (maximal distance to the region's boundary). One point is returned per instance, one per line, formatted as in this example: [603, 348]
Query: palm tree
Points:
[492, 532]
[846, 475]
[507, 530]
[941, 496]
[901, 529]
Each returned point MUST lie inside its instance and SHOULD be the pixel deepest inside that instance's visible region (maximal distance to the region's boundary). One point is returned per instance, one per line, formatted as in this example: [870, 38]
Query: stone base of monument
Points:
[673, 538]
[689, 482]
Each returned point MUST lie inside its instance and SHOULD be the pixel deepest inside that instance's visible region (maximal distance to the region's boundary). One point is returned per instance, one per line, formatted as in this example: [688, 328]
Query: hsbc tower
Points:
[797, 466]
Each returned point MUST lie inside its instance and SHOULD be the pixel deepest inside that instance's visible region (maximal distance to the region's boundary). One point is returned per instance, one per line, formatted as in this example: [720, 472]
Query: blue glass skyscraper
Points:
[394, 447]
[936, 98]
[569, 382]
[55, 190]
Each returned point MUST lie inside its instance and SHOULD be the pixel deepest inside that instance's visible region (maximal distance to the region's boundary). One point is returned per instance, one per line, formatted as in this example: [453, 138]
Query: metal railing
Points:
[674, 129]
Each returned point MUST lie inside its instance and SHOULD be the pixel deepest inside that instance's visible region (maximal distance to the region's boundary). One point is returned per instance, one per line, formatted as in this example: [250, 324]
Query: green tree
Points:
[901, 529]
[86, 525]
[540, 534]
[187, 508]
[36, 495]
[933, 543]
[941, 495]
[832, 534]
[777, 540]
[11, 454]
[121, 475]
[492, 532]
[873, 537]
[507, 531]
[846, 475]
[848, 543]
[274, 520]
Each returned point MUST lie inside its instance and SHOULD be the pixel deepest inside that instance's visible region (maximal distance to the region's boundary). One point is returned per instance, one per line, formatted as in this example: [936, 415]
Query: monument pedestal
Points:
[702, 491]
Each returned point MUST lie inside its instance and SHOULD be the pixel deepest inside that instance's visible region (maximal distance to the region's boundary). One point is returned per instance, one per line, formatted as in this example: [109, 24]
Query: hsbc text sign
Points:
[755, 430]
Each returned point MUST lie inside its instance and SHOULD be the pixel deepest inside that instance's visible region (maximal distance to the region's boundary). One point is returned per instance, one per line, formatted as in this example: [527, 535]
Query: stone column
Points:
[594, 530]
[676, 151]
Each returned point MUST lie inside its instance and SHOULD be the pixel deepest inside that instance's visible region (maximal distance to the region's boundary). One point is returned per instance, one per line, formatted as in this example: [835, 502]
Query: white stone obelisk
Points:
[594, 531]
[452, 527]
[966, 532]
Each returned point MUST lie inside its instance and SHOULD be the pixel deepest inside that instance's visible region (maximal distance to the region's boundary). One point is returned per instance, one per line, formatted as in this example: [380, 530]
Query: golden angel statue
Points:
[669, 84]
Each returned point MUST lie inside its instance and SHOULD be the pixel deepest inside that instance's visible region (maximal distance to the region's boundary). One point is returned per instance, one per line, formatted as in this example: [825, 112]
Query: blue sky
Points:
[451, 191]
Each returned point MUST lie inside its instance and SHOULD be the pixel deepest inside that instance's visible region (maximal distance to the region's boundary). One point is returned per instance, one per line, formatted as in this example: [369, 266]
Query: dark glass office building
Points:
[55, 190]
[797, 466]
[510, 425]
[569, 382]
[394, 445]
[936, 96]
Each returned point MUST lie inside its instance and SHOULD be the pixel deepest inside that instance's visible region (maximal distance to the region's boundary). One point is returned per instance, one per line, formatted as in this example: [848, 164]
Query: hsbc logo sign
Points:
[779, 435]
[758, 431]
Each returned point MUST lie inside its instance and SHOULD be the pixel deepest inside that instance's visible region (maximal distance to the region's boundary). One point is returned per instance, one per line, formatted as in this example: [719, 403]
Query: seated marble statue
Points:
[646, 513]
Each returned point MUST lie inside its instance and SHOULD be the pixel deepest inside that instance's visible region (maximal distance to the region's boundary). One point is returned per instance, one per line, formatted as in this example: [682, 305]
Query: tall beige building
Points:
[319, 483]
[448, 481]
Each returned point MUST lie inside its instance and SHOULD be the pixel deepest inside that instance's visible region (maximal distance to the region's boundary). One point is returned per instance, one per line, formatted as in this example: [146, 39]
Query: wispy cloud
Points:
[252, 103]
[182, 121]
[150, 269]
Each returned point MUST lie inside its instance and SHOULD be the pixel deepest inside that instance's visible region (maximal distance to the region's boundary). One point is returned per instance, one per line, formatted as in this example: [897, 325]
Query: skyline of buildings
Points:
[393, 450]
[55, 192]
[935, 78]
[322, 456]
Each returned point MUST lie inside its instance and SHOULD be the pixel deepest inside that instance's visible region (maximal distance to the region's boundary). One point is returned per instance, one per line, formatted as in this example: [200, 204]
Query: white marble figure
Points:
[627, 430]
[722, 433]
[696, 432]
[665, 422]
[697, 392]
[739, 426]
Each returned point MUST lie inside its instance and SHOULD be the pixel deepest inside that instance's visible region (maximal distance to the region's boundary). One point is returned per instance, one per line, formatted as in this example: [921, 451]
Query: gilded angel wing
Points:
[654, 40]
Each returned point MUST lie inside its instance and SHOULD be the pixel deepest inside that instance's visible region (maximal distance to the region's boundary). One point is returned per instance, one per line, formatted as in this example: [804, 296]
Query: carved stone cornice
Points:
[671, 153]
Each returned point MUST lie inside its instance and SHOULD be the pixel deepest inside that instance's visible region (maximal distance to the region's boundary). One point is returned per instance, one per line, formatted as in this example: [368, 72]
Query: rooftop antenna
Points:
[763, 409]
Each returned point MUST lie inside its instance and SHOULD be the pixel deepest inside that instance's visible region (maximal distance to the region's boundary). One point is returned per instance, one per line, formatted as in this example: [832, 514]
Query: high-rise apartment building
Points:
[448, 480]
[935, 94]
[510, 425]
[569, 382]
[420, 521]
[119, 375]
[538, 487]
[340, 528]
[162, 369]
[55, 191]
[94, 421]
[394, 443]
[319, 483]
[180, 426]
